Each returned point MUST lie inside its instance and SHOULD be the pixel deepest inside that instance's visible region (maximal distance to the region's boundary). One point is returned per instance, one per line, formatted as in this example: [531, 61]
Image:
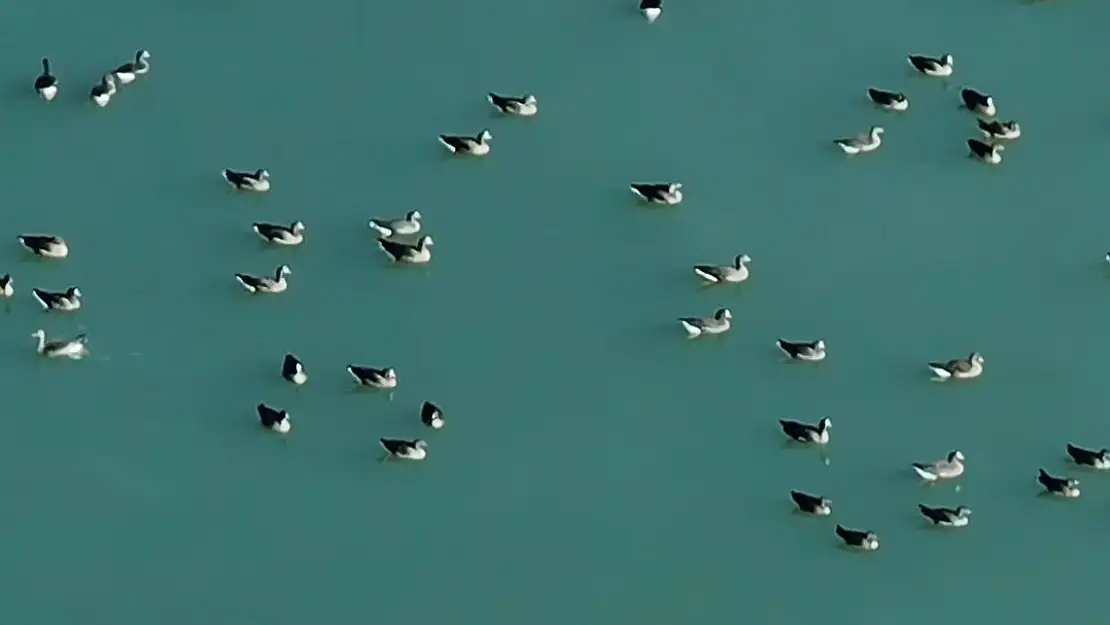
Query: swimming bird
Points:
[45, 245]
[948, 517]
[805, 432]
[474, 146]
[959, 368]
[813, 504]
[74, 349]
[860, 539]
[293, 234]
[990, 153]
[812, 351]
[431, 415]
[1088, 457]
[866, 142]
[276, 420]
[374, 378]
[995, 129]
[669, 193]
[7, 285]
[47, 83]
[102, 92]
[1063, 486]
[889, 100]
[932, 66]
[67, 300]
[651, 9]
[409, 224]
[413, 253]
[719, 323]
[950, 468]
[257, 181]
[127, 72]
[403, 449]
[978, 102]
[525, 106]
[266, 284]
[292, 369]
[716, 274]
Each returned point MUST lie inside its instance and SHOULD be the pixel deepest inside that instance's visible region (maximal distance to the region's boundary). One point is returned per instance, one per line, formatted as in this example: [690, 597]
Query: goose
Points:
[651, 9]
[951, 467]
[7, 285]
[805, 432]
[266, 284]
[409, 224]
[474, 146]
[995, 129]
[860, 539]
[293, 234]
[47, 83]
[415, 254]
[813, 504]
[127, 72]
[45, 245]
[292, 369]
[990, 153]
[719, 323]
[866, 142]
[716, 274]
[375, 378]
[932, 66]
[276, 420]
[525, 106]
[257, 181]
[959, 368]
[405, 450]
[669, 193]
[74, 349]
[947, 517]
[1088, 457]
[67, 300]
[812, 351]
[101, 93]
[1063, 486]
[889, 100]
[431, 415]
[978, 102]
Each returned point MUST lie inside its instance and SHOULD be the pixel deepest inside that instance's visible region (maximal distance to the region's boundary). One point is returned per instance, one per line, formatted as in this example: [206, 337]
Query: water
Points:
[596, 467]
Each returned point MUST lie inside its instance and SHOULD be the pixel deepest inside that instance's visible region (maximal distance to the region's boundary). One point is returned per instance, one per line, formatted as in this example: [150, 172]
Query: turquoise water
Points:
[596, 466]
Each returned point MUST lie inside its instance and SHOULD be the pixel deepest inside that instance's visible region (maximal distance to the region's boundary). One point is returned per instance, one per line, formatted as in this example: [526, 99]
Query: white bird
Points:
[889, 100]
[409, 224]
[523, 106]
[951, 467]
[932, 66]
[719, 323]
[68, 300]
[276, 420]
[45, 245]
[266, 284]
[959, 368]
[257, 181]
[47, 83]
[74, 349]
[716, 274]
[403, 449]
[990, 153]
[101, 93]
[292, 369]
[651, 9]
[669, 193]
[127, 72]
[475, 146]
[293, 234]
[431, 415]
[866, 142]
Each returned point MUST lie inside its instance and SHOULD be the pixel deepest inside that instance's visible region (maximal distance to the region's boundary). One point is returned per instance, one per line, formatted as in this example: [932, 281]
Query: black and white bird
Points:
[292, 369]
[805, 432]
[102, 92]
[978, 102]
[958, 368]
[474, 146]
[276, 420]
[719, 323]
[7, 285]
[266, 284]
[404, 449]
[74, 349]
[863, 143]
[932, 66]
[375, 378]
[990, 153]
[522, 106]
[716, 274]
[45, 245]
[811, 351]
[889, 100]
[431, 415]
[411, 253]
[257, 180]
[813, 504]
[995, 129]
[1062, 486]
[669, 193]
[947, 517]
[951, 467]
[279, 234]
[409, 224]
[651, 9]
[1099, 459]
[47, 83]
[64, 301]
[127, 72]
[860, 539]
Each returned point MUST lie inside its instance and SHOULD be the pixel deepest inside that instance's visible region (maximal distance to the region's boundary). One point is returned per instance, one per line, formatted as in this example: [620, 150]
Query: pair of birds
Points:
[1069, 487]
[818, 505]
[293, 371]
[478, 145]
[401, 251]
[46, 84]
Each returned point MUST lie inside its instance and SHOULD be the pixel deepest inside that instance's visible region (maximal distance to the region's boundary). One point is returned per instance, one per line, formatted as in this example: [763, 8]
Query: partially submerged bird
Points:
[293, 234]
[276, 420]
[866, 142]
[950, 468]
[523, 106]
[375, 378]
[266, 284]
[812, 351]
[719, 323]
[990, 153]
[959, 368]
[409, 224]
[932, 66]
[7, 285]
[431, 415]
[65, 301]
[889, 100]
[45, 245]
[813, 504]
[669, 193]
[474, 146]
[995, 129]
[947, 517]
[102, 92]
[805, 432]
[292, 369]
[1089, 457]
[404, 449]
[46, 85]
[1062, 486]
[412, 253]
[860, 539]
[257, 180]
[651, 9]
[978, 102]
[127, 72]
[716, 274]
[74, 349]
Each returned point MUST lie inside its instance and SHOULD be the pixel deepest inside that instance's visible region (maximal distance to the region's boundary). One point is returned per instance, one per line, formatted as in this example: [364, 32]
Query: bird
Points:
[805, 432]
[1063, 486]
[276, 420]
[995, 129]
[102, 92]
[651, 9]
[403, 449]
[990, 153]
[257, 181]
[374, 378]
[293, 234]
[978, 102]
[719, 323]
[127, 72]
[74, 349]
[947, 517]
[813, 504]
[67, 300]
[292, 369]
[7, 285]
[431, 415]
[860, 539]
[866, 142]
[266, 284]
[889, 100]
[409, 224]
[412, 253]
[959, 368]
[45, 245]
[669, 193]
[716, 274]
[812, 351]
[1088, 457]
[932, 66]
[950, 468]
[524, 106]
[474, 146]
[47, 83]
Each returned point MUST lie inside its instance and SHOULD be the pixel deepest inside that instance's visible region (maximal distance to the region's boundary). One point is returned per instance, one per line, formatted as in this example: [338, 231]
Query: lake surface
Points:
[597, 467]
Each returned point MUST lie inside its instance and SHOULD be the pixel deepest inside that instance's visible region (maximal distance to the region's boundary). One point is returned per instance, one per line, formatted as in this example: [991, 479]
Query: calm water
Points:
[596, 467]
